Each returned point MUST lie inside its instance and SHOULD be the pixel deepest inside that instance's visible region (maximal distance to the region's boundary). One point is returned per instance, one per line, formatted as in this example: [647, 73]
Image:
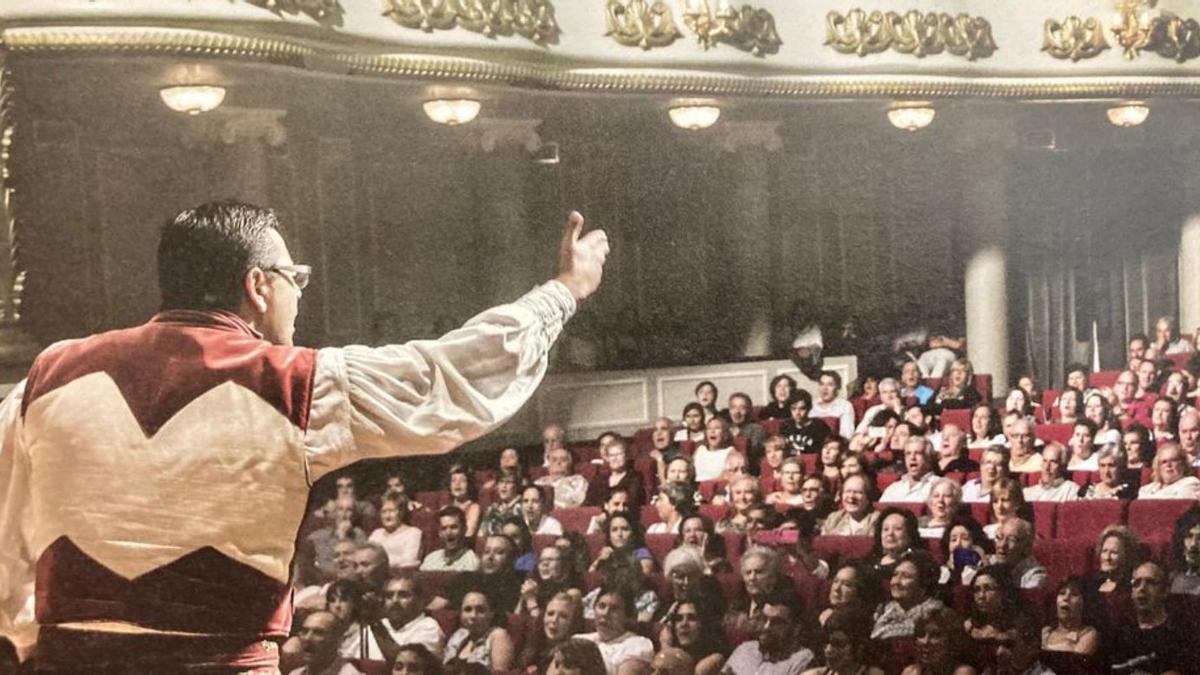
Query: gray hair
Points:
[683, 556]
[768, 555]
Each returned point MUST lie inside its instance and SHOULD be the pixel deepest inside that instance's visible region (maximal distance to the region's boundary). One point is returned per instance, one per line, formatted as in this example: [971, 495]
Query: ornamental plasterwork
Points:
[531, 19]
[914, 32]
[324, 11]
[1074, 38]
[634, 23]
[638, 23]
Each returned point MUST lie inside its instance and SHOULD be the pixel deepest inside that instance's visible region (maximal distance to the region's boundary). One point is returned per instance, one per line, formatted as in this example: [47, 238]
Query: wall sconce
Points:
[911, 115]
[192, 99]
[452, 111]
[694, 117]
[1128, 113]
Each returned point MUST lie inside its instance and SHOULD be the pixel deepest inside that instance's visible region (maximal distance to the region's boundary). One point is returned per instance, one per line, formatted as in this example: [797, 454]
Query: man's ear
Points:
[252, 284]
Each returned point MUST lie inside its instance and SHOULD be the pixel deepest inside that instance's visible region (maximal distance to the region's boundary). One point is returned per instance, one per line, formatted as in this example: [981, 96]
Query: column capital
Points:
[490, 133]
[229, 125]
[734, 136]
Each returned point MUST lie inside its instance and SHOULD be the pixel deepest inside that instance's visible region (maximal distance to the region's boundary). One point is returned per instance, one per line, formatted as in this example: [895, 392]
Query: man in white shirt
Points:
[778, 649]
[993, 465]
[1054, 486]
[709, 459]
[402, 621]
[829, 405]
[454, 555]
[914, 486]
[889, 397]
[1014, 547]
[570, 489]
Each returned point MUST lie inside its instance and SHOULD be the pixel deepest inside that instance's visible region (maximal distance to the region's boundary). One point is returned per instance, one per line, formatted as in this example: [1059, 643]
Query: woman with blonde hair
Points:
[959, 389]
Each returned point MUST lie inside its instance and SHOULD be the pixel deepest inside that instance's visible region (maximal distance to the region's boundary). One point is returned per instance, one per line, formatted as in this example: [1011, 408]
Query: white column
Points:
[986, 277]
[1189, 273]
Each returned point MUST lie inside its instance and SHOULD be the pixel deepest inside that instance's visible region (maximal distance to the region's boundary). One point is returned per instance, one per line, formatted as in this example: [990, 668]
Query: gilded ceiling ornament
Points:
[749, 29]
[1133, 26]
[324, 11]
[1074, 38]
[634, 23]
[913, 32]
[1177, 38]
[531, 19]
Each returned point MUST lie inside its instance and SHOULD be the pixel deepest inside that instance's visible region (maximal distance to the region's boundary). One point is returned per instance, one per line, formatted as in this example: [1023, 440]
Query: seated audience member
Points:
[514, 528]
[1024, 457]
[845, 636]
[321, 543]
[694, 625]
[576, 657]
[1018, 651]
[760, 518]
[1189, 435]
[1033, 394]
[562, 618]
[618, 500]
[1082, 446]
[735, 469]
[779, 647]
[940, 643]
[1115, 481]
[740, 424]
[693, 424]
[895, 536]
[911, 586]
[533, 510]
[800, 557]
[1172, 476]
[889, 399]
[965, 547]
[576, 554]
[744, 494]
[791, 480]
[673, 503]
[1069, 632]
[681, 471]
[1150, 642]
[569, 487]
[684, 571]
[774, 453]
[481, 637]
[1097, 409]
[829, 384]
[313, 596]
[959, 391]
[1139, 451]
[371, 571]
[551, 576]
[672, 661]
[853, 590]
[615, 617]
[1068, 409]
[829, 460]
[952, 453]
[910, 384]
[699, 531]
[416, 659]
[1018, 401]
[455, 555]
[1167, 339]
[496, 574]
[344, 600]
[1076, 375]
[1136, 350]
[617, 475]
[854, 464]
[319, 637]
[1185, 554]
[706, 395]
[781, 388]
[347, 488]
[709, 458]
[463, 494]
[985, 427]
[993, 466]
[1126, 405]
[1014, 547]
[760, 569]
[940, 508]
[508, 465]
[816, 497]
[1054, 486]
[1164, 420]
[505, 504]
[400, 620]
[662, 446]
[914, 486]
[1118, 551]
[553, 436]
[856, 515]
[995, 603]
[624, 574]
[623, 544]
[1008, 499]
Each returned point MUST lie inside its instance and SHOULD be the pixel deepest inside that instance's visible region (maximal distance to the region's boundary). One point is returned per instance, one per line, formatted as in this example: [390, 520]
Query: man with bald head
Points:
[320, 636]
[672, 661]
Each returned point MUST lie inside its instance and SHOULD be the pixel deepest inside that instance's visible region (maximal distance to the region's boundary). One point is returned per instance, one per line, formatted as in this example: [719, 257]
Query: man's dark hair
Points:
[745, 397]
[801, 395]
[1076, 367]
[204, 253]
[1186, 521]
[837, 379]
[581, 655]
[456, 513]
[430, 665]
[1140, 336]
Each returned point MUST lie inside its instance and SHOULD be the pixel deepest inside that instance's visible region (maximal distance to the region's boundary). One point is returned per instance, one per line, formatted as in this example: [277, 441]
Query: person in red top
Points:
[152, 479]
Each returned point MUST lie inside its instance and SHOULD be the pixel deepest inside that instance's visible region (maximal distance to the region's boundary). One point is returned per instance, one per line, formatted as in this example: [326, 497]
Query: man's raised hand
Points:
[581, 258]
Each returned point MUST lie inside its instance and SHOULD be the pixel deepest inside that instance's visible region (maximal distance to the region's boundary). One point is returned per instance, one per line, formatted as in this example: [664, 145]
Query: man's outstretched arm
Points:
[429, 396]
[16, 565]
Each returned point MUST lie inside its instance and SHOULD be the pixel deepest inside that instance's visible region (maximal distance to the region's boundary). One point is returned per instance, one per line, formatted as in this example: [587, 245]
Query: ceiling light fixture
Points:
[192, 99]
[1128, 113]
[452, 111]
[911, 115]
[694, 117]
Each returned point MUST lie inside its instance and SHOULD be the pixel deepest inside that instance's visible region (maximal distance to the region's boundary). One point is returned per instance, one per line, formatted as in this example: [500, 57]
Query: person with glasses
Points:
[191, 441]
[1172, 476]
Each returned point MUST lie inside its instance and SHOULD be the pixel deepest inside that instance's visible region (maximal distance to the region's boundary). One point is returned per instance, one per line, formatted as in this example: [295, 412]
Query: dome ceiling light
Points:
[192, 99]
[452, 111]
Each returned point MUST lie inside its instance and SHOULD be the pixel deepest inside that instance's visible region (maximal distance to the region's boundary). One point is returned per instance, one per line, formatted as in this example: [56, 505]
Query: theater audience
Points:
[940, 643]
[481, 637]
[623, 650]
[1189, 435]
[914, 486]
[1014, 548]
[681, 471]
[514, 528]
[911, 585]
[699, 531]
[618, 500]
[1018, 651]
[709, 458]
[804, 435]
[1069, 407]
[1115, 482]
[683, 569]
[506, 503]
[1024, 456]
[1008, 499]
[959, 389]
[662, 446]
[760, 570]
[1185, 554]
[781, 388]
[1053, 486]
[1167, 339]
[570, 488]
[779, 647]
[693, 424]
[533, 510]
[455, 554]
[706, 395]
[1172, 477]
[576, 657]
[952, 452]
[624, 574]
[940, 508]
[856, 515]
[346, 487]
[845, 639]
[463, 494]
[553, 575]
[993, 465]
[562, 618]
[322, 542]
[507, 465]
[1082, 446]
[399, 621]
[828, 404]
[319, 638]
[965, 547]
[771, 466]
[741, 426]
[985, 427]
[791, 481]
[736, 468]
[1097, 409]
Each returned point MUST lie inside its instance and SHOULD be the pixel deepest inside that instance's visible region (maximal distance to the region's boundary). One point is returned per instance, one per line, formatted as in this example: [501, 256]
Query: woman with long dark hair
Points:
[695, 627]
[782, 387]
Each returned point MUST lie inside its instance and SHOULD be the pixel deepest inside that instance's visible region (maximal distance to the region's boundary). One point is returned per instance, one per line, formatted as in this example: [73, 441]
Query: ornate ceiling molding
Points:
[531, 19]
[917, 33]
[1074, 38]
[634, 23]
[321, 11]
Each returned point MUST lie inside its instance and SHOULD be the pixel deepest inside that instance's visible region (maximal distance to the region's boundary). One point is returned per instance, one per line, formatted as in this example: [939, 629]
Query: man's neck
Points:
[453, 553]
[775, 652]
[1151, 618]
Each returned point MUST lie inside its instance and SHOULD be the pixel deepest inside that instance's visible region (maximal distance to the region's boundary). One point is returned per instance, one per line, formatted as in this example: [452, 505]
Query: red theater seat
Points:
[576, 519]
[1084, 520]
[541, 541]
[959, 417]
[716, 512]
[837, 550]
[447, 619]
[709, 488]
[771, 427]
[433, 500]
[1155, 518]
[434, 584]
[1179, 361]
[1044, 514]
[660, 545]
[831, 422]
[1054, 432]
[1062, 558]
[1103, 378]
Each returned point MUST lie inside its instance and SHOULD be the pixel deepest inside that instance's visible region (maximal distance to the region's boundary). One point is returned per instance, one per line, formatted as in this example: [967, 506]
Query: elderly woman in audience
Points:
[736, 468]
[569, 488]
[856, 515]
[1185, 554]
[941, 506]
[1097, 409]
[782, 387]
[505, 504]
[673, 503]
[1118, 550]
[401, 540]
[685, 573]
[534, 506]
[623, 544]
[854, 589]
[1173, 477]
[694, 625]
[624, 651]
[481, 637]
[829, 460]
[1115, 482]
[562, 618]
[693, 424]
[463, 494]
[698, 531]
[940, 645]
[985, 427]
[509, 464]
[791, 480]
[625, 574]
[964, 547]
[1068, 632]
[617, 475]
[618, 500]
[895, 536]
[959, 389]
[1008, 500]
[911, 585]
[1139, 451]
[846, 635]
[744, 494]
[761, 574]
[553, 575]
[995, 602]
[1069, 407]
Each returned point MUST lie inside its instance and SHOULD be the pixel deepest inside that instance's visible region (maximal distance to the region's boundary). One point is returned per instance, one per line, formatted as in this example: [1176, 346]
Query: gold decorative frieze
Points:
[324, 11]
[634, 23]
[914, 32]
[1177, 38]
[531, 19]
[1074, 38]
[1134, 27]
[749, 29]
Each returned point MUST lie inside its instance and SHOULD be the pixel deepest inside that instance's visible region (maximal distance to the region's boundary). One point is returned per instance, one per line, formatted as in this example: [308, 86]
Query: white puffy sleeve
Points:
[16, 561]
[429, 396]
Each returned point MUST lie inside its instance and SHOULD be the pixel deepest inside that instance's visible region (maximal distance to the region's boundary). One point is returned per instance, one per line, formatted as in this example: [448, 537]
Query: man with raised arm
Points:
[153, 478]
